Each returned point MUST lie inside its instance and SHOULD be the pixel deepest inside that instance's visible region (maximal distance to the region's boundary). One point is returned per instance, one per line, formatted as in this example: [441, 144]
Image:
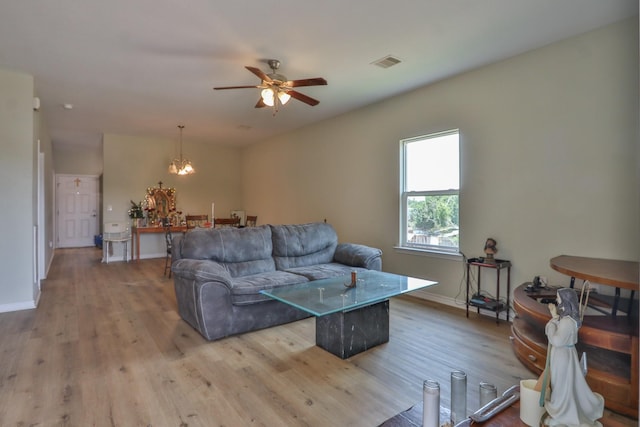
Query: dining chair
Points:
[251, 221]
[226, 222]
[115, 232]
[194, 221]
[168, 238]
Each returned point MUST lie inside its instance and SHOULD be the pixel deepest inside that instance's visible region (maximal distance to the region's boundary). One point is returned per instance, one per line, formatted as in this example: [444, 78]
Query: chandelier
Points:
[181, 166]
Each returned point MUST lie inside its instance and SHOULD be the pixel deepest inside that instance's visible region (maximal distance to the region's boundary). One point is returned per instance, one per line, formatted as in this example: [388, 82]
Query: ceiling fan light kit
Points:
[181, 166]
[276, 89]
[269, 96]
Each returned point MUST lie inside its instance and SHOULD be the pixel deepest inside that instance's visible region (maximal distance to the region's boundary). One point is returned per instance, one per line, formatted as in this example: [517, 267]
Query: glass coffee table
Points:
[349, 320]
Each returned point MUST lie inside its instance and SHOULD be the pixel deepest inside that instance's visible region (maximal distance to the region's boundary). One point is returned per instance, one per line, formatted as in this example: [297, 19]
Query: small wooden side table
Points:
[498, 265]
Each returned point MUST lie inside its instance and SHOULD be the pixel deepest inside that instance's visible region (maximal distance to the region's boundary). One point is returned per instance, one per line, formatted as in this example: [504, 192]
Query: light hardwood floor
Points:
[106, 347]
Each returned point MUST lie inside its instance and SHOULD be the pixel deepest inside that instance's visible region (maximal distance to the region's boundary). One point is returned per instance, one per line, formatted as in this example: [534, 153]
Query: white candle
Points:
[213, 215]
[530, 410]
[430, 404]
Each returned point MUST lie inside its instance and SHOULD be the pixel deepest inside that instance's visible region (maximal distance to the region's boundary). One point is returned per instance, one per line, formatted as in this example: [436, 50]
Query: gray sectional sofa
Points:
[219, 273]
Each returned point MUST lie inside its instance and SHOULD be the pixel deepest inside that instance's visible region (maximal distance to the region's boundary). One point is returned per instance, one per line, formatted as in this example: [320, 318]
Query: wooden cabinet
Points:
[610, 340]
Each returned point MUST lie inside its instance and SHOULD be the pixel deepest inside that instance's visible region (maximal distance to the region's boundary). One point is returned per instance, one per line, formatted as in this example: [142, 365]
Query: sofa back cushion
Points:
[301, 245]
[243, 251]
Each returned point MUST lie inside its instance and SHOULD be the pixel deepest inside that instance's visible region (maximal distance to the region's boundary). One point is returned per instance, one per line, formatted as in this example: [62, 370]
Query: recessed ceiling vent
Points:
[387, 61]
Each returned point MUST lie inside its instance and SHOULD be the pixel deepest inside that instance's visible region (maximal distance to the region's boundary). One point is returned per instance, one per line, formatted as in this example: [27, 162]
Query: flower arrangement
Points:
[136, 210]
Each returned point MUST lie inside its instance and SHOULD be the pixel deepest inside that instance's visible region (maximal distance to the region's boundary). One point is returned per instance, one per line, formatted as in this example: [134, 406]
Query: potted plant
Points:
[136, 213]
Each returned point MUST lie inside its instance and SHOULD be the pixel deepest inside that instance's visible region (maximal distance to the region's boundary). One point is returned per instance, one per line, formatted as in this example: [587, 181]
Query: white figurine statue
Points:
[571, 403]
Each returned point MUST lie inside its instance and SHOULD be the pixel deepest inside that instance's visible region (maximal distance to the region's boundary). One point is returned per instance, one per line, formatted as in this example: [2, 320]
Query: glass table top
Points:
[326, 296]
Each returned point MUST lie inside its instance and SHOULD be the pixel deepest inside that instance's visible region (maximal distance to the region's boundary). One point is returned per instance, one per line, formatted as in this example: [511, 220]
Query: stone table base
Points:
[347, 333]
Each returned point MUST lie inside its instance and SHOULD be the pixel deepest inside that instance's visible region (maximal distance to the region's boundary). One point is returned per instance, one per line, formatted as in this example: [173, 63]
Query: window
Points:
[430, 187]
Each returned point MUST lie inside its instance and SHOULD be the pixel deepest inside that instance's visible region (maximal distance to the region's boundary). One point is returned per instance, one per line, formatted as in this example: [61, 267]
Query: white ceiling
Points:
[142, 67]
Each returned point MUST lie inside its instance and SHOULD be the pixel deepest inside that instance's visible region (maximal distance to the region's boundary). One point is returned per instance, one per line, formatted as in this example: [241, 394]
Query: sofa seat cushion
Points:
[325, 271]
[302, 245]
[246, 289]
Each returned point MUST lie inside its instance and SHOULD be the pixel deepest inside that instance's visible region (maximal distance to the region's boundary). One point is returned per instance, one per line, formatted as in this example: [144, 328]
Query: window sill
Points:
[452, 256]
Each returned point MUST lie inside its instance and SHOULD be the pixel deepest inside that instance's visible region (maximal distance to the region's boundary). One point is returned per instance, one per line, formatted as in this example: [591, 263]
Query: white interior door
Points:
[77, 209]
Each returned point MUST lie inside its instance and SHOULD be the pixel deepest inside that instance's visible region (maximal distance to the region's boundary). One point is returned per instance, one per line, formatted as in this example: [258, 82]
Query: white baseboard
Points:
[157, 255]
[49, 263]
[37, 297]
[451, 302]
[120, 258]
[17, 306]
[113, 258]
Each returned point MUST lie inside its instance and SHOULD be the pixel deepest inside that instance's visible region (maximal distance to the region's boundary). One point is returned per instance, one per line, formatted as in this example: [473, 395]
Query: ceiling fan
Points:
[277, 89]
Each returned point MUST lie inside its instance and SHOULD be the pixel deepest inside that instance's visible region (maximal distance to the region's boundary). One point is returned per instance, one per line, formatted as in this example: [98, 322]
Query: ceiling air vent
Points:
[387, 61]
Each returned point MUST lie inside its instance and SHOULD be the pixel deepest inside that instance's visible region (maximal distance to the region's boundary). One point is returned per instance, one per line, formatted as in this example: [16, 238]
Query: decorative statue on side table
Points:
[490, 249]
[572, 403]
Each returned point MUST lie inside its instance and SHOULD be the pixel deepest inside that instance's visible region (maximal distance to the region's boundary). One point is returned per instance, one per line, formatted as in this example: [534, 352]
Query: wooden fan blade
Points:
[258, 72]
[302, 97]
[318, 81]
[235, 87]
[260, 104]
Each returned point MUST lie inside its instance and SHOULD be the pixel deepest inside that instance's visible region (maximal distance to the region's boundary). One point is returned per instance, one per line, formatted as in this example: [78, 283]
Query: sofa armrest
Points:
[202, 270]
[359, 256]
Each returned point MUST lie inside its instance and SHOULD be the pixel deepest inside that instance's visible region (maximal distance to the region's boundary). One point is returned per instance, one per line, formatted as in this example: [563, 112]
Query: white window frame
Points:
[405, 195]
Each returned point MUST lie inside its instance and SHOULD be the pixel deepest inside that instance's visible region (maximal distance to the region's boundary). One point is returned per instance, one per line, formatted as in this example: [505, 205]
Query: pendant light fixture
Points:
[181, 166]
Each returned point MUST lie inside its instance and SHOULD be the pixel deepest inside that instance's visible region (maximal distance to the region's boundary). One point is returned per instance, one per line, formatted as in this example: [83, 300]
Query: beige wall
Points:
[133, 164]
[78, 160]
[17, 177]
[22, 131]
[549, 150]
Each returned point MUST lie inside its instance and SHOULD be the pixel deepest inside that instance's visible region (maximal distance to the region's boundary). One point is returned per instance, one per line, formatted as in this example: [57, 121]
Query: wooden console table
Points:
[137, 231]
[610, 341]
[610, 272]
